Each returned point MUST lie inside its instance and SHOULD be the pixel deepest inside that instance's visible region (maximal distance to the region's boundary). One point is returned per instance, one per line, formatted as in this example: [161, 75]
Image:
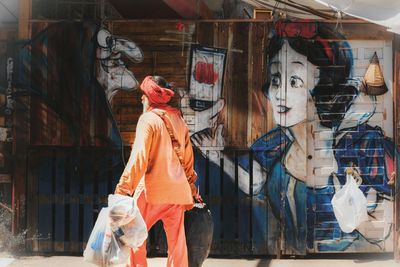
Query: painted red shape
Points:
[204, 73]
[180, 26]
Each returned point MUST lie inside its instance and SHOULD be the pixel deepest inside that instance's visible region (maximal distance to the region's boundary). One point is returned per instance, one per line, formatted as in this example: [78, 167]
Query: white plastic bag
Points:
[94, 248]
[127, 223]
[103, 248]
[349, 206]
[118, 228]
[114, 251]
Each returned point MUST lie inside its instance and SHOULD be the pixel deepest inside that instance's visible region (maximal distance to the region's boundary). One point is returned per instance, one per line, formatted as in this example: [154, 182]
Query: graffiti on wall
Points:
[74, 82]
[206, 83]
[325, 124]
[112, 72]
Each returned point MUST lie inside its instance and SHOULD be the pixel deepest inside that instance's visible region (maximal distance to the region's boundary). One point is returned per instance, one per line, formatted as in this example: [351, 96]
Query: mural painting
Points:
[206, 83]
[113, 74]
[325, 124]
[77, 93]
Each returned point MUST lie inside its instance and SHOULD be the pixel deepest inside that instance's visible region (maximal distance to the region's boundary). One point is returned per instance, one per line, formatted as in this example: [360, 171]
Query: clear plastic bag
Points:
[114, 251]
[118, 228]
[349, 206]
[127, 223]
[103, 248]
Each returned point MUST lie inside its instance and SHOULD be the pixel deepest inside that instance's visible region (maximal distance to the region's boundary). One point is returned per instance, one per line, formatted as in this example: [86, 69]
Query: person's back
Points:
[168, 176]
[165, 179]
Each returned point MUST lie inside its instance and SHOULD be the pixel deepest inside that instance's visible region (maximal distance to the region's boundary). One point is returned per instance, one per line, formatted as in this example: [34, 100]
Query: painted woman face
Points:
[289, 87]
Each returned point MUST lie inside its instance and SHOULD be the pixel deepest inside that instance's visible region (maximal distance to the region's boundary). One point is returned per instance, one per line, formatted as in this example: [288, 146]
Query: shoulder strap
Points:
[175, 142]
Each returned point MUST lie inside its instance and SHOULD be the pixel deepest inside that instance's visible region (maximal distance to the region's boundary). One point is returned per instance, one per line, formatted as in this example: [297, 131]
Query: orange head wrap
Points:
[155, 93]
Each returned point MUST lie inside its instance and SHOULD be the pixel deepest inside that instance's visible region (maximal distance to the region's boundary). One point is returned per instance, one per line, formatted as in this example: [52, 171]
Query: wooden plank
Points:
[214, 193]
[45, 209]
[117, 169]
[259, 112]
[229, 205]
[85, 115]
[103, 175]
[256, 121]
[163, 40]
[227, 230]
[21, 129]
[124, 27]
[32, 202]
[160, 70]
[228, 84]
[239, 86]
[359, 31]
[396, 92]
[127, 127]
[87, 174]
[245, 215]
[353, 29]
[165, 57]
[200, 167]
[25, 14]
[59, 192]
[74, 219]
[126, 116]
[250, 83]
[203, 33]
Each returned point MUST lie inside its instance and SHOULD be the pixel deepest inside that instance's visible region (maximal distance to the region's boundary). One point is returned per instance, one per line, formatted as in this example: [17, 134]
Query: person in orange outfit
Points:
[167, 191]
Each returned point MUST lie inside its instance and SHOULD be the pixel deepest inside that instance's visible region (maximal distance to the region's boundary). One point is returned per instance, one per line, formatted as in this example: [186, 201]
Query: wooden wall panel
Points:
[239, 90]
[13, 158]
[396, 93]
[246, 115]
[259, 111]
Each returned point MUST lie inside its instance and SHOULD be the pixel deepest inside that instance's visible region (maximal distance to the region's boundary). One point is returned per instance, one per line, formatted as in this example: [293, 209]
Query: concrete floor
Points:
[70, 261]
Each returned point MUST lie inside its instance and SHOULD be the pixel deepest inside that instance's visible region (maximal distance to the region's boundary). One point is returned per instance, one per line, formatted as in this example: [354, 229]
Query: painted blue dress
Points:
[366, 148]
[306, 213]
[269, 151]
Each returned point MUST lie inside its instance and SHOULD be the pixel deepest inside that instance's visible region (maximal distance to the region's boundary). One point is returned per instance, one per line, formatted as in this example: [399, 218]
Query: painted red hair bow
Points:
[304, 29]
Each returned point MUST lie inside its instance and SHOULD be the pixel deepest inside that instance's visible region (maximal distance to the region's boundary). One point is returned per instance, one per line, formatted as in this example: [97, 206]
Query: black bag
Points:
[199, 228]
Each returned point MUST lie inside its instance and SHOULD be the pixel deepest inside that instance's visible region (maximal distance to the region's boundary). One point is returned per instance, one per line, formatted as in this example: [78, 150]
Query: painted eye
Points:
[296, 82]
[276, 80]
[105, 39]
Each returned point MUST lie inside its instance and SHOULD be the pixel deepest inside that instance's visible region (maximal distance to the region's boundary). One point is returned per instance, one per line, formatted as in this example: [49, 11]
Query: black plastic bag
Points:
[199, 228]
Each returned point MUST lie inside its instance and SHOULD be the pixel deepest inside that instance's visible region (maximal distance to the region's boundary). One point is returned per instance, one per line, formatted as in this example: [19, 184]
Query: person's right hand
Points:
[195, 193]
[198, 198]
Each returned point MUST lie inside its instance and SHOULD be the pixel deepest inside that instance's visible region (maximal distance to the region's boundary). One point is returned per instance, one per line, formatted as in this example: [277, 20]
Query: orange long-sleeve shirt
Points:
[154, 158]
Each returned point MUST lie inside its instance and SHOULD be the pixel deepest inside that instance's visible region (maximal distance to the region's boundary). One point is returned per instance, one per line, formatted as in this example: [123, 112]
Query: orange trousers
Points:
[172, 217]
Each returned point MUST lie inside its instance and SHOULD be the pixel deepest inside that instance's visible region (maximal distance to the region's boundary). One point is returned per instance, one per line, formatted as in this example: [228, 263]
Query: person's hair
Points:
[332, 55]
[161, 82]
